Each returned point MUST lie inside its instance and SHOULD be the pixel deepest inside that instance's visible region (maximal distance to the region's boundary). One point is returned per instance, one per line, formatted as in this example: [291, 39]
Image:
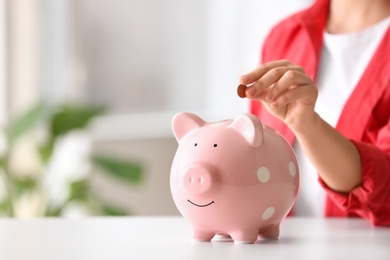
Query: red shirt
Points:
[365, 118]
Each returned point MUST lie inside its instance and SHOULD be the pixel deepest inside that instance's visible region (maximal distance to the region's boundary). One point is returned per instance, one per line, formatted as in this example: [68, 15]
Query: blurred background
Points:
[88, 89]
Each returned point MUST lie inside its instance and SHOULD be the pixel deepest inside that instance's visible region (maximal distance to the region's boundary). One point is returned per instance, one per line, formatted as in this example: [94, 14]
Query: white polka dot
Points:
[217, 124]
[268, 213]
[263, 174]
[292, 169]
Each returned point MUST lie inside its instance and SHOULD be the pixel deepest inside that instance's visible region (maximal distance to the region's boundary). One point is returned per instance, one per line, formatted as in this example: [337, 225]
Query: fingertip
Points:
[244, 79]
[250, 91]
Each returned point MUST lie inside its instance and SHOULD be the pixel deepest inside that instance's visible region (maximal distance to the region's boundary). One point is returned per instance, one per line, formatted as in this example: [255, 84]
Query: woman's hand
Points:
[286, 91]
[289, 94]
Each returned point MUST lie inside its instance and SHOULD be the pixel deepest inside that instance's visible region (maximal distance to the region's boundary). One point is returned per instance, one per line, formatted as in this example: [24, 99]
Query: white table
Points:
[169, 238]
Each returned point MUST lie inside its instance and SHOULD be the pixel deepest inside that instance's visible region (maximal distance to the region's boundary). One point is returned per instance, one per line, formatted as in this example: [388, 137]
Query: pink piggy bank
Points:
[233, 177]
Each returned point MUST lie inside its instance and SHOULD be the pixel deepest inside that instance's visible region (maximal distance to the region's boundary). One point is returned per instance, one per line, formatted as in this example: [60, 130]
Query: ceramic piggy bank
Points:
[234, 177]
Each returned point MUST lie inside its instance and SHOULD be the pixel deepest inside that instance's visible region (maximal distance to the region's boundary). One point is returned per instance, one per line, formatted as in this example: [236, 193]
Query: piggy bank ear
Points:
[250, 127]
[184, 122]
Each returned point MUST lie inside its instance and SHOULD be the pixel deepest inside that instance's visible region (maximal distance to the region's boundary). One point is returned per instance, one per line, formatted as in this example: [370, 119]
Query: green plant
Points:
[42, 128]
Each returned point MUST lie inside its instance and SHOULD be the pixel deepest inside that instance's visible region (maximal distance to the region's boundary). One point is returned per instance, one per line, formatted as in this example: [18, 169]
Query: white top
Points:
[125, 238]
[344, 58]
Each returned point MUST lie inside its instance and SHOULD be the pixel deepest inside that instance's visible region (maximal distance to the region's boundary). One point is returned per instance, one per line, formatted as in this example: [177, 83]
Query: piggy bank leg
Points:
[269, 232]
[201, 235]
[245, 236]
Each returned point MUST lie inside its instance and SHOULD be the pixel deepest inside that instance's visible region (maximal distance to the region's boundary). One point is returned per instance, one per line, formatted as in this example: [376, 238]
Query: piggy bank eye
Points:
[196, 144]
[215, 145]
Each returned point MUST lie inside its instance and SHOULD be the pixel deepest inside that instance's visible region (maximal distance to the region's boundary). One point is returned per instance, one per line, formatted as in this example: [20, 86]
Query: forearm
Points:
[335, 158]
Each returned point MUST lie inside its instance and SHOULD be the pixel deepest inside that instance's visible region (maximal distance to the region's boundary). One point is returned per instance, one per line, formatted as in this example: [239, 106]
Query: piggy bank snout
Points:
[198, 179]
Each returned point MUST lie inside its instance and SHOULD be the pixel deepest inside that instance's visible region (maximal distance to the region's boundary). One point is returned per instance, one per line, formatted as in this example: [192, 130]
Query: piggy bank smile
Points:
[199, 205]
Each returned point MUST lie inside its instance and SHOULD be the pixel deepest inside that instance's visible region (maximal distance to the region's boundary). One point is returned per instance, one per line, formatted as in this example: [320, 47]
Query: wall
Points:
[170, 55]
[202, 47]
[2, 62]
[145, 60]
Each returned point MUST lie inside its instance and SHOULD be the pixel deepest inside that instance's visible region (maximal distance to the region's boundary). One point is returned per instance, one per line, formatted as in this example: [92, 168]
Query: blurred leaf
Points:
[25, 184]
[54, 211]
[3, 162]
[26, 121]
[5, 207]
[79, 190]
[68, 118]
[109, 210]
[121, 169]
[46, 150]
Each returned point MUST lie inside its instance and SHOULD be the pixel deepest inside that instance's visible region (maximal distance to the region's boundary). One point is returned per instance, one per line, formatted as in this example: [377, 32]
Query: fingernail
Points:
[250, 91]
[269, 96]
[275, 104]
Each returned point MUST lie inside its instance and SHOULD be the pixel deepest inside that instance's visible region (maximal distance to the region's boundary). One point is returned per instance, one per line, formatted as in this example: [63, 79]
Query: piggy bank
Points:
[236, 178]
